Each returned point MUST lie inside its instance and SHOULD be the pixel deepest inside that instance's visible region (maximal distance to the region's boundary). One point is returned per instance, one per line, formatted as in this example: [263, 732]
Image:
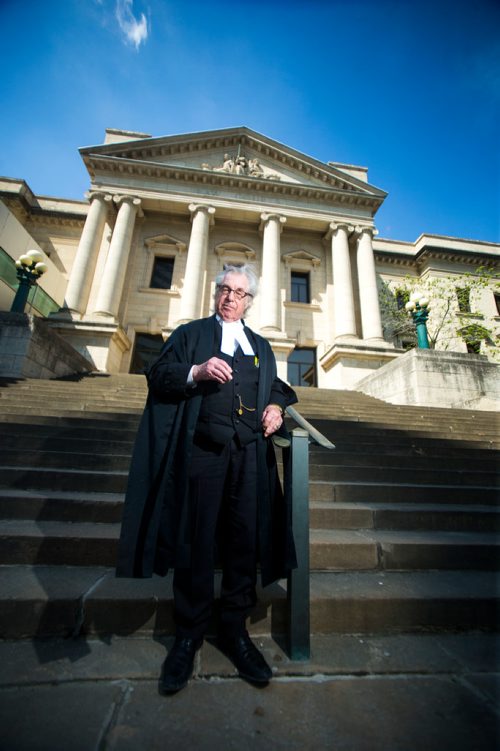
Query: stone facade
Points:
[186, 205]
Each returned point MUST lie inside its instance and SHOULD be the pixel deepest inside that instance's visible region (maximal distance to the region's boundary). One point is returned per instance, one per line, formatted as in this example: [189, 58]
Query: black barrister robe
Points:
[155, 532]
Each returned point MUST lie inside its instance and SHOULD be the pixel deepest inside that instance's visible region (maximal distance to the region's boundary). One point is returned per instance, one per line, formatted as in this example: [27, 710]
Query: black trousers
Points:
[223, 498]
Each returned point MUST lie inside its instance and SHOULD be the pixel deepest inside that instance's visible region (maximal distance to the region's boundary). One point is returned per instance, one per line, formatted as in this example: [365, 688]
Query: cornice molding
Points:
[420, 258]
[130, 167]
[226, 140]
[26, 213]
[453, 256]
[55, 220]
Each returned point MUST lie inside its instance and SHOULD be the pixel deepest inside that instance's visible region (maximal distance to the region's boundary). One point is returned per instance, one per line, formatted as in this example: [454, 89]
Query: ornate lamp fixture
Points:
[418, 307]
[30, 267]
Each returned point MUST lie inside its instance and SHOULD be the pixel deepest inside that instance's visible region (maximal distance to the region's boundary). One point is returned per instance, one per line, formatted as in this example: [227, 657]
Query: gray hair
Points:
[248, 271]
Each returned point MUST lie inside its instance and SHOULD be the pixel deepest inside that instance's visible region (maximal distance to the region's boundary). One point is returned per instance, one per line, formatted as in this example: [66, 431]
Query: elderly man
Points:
[203, 483]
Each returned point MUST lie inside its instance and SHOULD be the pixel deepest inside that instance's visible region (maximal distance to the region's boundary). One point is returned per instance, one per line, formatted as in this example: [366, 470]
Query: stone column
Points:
[343, 302]
[270, 287]
[368, 292]
[196, 261]
[82, 273]
[111, 286]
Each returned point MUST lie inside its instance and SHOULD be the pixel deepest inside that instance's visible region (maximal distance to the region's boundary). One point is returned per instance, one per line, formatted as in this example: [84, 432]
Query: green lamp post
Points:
[418, 307]
[30, 268]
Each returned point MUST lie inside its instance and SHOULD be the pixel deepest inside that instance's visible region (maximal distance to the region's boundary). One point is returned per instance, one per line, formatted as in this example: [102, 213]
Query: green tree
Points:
[455, 311]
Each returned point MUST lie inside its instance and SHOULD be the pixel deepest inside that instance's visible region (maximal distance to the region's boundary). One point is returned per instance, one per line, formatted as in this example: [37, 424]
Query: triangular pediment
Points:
[301, 257]
[164, 241]
[228, 155]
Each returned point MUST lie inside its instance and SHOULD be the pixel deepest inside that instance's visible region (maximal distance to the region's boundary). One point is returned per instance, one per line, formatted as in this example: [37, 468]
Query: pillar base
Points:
[100, 341]
[348, 361]
[65, 314]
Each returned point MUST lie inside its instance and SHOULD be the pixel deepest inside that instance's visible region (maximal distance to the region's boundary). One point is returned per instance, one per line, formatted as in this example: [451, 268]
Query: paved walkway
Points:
[357, 693]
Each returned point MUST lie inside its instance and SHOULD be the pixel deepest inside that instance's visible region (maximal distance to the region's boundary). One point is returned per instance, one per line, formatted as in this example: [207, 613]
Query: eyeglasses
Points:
[240, 294]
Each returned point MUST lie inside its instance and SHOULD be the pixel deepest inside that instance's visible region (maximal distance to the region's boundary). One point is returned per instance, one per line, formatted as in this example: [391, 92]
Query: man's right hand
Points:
[214, 369]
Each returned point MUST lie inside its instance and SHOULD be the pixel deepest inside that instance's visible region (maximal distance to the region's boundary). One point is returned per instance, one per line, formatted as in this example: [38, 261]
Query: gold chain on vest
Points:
[244, 407]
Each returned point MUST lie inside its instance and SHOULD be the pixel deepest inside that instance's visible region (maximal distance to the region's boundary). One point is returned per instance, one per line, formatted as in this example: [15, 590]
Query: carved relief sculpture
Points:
[240, 165]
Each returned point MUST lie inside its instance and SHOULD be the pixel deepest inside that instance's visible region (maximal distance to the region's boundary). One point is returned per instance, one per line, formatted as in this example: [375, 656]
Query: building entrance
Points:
[146, 349]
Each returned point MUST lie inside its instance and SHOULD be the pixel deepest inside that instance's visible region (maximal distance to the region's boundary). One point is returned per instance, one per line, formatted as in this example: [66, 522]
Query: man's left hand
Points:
[271, 420]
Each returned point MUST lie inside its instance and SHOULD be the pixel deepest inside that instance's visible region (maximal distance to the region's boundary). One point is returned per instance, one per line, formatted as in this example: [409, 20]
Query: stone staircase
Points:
[404, 515]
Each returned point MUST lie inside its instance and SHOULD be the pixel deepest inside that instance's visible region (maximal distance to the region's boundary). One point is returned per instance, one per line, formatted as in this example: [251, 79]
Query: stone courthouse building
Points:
[164, 215]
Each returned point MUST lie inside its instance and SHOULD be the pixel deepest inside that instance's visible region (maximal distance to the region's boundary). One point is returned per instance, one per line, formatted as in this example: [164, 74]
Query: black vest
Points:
[230, 408]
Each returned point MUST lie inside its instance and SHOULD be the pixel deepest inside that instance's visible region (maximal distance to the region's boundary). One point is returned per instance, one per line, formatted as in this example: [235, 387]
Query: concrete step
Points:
[115, 481]
[399, 455]
[106, 422]
[72, 402]
[79, 480]
[391, 492]
[410, 474]
[358, 437]
[396, 550]
[53, 505]
[63, 601]
[403, 516]
[50, 442]
[381, 433]
[408, 491]
[450, 422]
[63, 435]
[64, 389]
[447, 423]
[326, 402]
[70, 429]
[48, 457]
[26, 541]
[488, 435]
[94, 412]
[107, 508]
[59, 543]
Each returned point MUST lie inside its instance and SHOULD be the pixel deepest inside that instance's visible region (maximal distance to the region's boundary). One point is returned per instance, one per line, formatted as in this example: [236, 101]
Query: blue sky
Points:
[409, 89]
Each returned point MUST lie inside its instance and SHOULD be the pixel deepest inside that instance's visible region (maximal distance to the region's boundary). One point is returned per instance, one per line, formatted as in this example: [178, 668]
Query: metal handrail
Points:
[296, 462]
[306, 425]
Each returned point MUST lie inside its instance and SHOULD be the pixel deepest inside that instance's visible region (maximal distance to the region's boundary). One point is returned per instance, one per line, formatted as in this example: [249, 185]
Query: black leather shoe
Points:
[246, 658]
[178, 666]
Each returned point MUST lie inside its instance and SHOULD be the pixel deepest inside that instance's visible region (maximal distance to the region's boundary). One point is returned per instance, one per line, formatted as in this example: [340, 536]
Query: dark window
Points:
[473, 335]
[473, 348]
[300, 287]
[497, 302]
[146, 349]
[402, 297]
[302, 367]
[162, 273]
[463, 297]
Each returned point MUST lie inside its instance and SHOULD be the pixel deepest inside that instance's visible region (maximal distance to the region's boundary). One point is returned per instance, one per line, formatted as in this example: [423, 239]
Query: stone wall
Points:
[29, 348]
[434, 378]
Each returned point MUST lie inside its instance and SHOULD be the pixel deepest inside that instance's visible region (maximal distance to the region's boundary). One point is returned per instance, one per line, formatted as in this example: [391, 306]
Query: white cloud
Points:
[135, 30]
